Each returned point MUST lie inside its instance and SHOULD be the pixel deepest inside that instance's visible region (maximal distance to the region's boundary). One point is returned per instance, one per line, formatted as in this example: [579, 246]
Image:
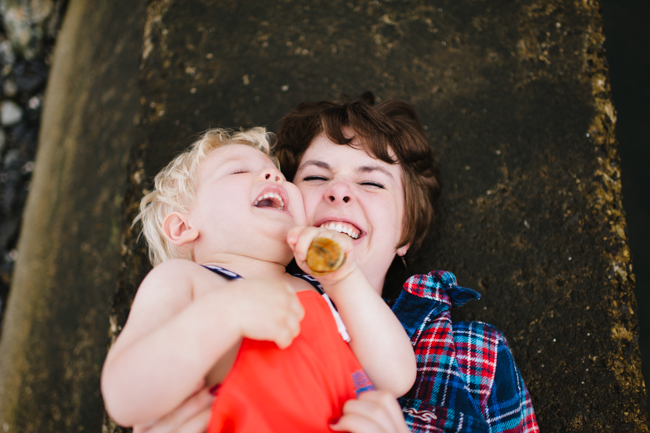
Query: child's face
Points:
[244, 205]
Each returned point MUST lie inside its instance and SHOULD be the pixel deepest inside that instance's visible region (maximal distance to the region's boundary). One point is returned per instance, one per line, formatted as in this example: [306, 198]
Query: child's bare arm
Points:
[377, 337]
[173, 337]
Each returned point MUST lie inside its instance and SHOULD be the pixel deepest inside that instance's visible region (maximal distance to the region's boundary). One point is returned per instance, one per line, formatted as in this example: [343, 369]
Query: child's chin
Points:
[284, 257]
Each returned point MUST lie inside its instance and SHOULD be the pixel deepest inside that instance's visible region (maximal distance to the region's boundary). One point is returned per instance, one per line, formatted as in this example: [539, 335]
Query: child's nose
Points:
[273, 175]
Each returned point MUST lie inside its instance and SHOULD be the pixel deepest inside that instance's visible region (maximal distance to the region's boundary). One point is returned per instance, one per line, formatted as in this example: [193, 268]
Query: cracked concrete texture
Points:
[515, 99]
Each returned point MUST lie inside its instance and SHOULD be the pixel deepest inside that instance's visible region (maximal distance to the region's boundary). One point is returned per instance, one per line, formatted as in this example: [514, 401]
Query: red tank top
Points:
[299, 389]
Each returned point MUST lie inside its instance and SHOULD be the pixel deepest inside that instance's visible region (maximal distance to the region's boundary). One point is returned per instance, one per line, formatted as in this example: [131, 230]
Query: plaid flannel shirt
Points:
[467, 379]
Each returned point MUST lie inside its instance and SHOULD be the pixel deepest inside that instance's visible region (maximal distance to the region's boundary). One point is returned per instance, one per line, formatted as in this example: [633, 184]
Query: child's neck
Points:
[247, 267]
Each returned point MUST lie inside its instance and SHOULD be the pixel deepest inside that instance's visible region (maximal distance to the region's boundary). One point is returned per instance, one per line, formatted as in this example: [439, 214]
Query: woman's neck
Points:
[376, 281]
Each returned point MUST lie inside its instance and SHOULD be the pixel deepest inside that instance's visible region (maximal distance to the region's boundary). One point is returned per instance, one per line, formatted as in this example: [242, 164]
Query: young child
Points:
[219, 309]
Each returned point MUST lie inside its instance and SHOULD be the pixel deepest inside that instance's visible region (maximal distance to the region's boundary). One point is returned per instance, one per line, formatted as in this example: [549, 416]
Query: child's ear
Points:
[178, 230]
[402, 250]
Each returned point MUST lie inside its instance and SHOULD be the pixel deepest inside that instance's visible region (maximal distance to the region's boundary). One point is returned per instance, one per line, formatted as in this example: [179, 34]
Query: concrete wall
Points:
[55, 332]
[515, 98]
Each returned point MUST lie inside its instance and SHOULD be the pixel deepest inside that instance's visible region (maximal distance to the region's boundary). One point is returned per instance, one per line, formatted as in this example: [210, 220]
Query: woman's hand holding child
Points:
[192, 416]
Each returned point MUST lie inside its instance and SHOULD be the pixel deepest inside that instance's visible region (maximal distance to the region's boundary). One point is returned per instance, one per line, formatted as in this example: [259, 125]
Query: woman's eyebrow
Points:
[316, 163]
[371, 168]
[361, 169]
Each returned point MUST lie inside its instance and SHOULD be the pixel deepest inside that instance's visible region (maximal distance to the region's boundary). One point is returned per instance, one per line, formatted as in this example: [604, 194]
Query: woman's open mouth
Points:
[342, 227]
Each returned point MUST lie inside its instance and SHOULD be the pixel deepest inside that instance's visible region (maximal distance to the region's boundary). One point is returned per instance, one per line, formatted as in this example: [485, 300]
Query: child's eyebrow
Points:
[233, 160]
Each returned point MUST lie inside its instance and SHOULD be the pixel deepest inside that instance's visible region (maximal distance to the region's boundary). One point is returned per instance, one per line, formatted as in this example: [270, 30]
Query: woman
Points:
[368, 170]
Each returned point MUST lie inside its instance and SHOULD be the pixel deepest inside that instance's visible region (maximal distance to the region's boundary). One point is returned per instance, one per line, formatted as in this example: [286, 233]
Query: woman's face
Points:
[347, 190]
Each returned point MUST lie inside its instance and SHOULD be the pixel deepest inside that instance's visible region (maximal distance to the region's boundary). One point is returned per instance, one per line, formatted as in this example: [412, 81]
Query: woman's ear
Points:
[402, 250]
[178, 230]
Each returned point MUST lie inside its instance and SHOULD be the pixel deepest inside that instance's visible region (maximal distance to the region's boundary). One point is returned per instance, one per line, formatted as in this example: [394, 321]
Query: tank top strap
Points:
[311, 280]
[337, 317]
[223, 272]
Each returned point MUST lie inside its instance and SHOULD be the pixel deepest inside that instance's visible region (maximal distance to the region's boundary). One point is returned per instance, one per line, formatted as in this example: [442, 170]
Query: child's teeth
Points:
[271, 195]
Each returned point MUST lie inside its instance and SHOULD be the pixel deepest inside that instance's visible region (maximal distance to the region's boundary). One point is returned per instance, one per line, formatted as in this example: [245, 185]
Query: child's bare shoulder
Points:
[172, 267]
[178, 279]
[299, 284]
[174, 274]
[165, 291]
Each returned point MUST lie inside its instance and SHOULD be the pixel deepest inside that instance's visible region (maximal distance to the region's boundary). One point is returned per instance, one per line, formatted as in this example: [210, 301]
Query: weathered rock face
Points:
[22, 88]
[56, 324]
[29, 21]
[516, 103]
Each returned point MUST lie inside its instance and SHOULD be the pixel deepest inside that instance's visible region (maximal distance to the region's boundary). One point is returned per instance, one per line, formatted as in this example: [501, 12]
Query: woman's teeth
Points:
[342, 228]
[270, 199]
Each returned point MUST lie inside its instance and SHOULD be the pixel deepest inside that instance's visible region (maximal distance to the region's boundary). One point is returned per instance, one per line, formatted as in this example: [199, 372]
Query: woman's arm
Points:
[173, 337]
[372, 412]
[378, 338]
[508, 405]
[192, 416]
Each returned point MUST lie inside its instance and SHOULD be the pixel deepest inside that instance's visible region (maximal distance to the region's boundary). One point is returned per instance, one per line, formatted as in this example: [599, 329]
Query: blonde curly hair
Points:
[175, 186]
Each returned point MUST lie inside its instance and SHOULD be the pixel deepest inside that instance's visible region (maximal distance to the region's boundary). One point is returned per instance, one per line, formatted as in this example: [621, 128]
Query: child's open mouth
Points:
[270, 199]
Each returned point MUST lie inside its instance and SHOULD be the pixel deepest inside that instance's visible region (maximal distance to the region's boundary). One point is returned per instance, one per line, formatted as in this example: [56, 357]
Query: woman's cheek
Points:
[309, 203]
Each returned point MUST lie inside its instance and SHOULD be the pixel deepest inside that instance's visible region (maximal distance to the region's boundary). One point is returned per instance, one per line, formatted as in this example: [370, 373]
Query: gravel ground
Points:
[22, 85]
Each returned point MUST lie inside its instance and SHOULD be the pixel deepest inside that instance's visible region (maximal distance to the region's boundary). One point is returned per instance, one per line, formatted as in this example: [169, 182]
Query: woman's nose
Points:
[339, 193]
[272, 175]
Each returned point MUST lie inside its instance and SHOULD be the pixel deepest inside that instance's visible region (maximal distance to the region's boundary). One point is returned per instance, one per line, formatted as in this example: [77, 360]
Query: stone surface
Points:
[515, 98]
[10, 113]
[516, 101]
[7, 55]
[26, 23]
[23, 85]
[9, 88]
[56, 325]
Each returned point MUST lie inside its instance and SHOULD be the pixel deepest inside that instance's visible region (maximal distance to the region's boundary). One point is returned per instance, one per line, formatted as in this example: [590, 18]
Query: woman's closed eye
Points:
[373, 184]
[313, 177]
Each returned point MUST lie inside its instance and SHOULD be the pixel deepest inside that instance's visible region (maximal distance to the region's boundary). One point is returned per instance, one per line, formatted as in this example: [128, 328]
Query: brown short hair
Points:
[390, 125]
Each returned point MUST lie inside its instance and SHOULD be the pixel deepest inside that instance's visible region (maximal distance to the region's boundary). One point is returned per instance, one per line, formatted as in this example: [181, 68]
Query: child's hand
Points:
[268, 310]
[300, 238]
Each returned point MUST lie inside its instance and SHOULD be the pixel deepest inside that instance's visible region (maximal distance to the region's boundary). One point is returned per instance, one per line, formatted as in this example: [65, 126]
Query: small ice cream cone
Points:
[324, 256]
